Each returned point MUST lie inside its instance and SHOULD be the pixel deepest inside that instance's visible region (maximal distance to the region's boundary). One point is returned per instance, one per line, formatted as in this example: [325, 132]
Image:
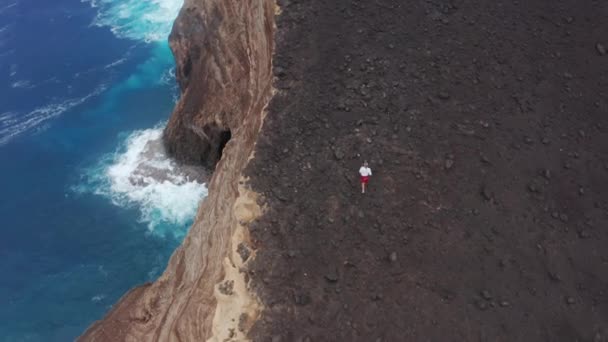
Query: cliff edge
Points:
[223, 50]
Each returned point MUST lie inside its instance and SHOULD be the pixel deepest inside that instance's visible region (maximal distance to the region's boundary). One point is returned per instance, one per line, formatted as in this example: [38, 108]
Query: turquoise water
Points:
[86, 88]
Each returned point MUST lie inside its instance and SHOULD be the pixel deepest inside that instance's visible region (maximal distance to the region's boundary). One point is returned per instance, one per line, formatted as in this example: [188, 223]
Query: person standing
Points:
[365, 173]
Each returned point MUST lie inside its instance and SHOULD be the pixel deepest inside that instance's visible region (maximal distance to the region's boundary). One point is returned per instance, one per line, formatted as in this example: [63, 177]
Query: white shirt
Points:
[365, 171]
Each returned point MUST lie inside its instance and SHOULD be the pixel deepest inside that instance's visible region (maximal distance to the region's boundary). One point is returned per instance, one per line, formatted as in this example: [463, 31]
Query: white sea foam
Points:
[13, 125]
[168, 77]
[147, 20]
[141, 175]
[98, 298]
[115, 63]
[22, 84]
[7, 7]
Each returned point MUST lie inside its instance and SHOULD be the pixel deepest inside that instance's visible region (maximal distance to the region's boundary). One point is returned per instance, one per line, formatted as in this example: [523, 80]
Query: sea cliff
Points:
[223, 51]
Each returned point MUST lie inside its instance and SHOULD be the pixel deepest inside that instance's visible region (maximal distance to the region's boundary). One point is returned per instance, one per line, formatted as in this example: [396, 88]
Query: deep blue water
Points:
[83, 84]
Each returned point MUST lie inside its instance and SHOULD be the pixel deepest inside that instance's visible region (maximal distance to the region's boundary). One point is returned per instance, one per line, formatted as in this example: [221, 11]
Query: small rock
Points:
[243, 251]
[487, 195]
[481, 305]
[583, 234]
[393, 257]
[504, 303]
[554, 276]
[338, 154]
[546, 173]
[302, 299]
[227, 287]
[377, 296]
[528, 140]
[601, 49]
[278, 71]
[581, 191]
[597, 337]
[545, 141]
[486, 295]
[484, 159]
[563, 217]
[532, 188]
[332, 276]
[448, 164]
[443, 95]
[570, 300]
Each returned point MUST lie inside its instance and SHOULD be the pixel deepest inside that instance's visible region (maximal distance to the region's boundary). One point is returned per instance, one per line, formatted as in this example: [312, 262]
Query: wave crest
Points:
[141, 175]
[147, 20]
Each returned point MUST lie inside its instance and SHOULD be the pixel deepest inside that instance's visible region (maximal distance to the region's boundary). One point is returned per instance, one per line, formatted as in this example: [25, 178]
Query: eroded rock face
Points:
[223, 50]
[223, 66]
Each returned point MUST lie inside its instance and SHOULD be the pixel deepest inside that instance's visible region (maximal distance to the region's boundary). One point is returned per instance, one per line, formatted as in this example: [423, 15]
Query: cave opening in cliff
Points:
[224, 138]
[215, 139]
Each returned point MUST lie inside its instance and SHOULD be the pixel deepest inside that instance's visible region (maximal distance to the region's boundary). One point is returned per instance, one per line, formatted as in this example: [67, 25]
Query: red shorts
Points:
[364, 179]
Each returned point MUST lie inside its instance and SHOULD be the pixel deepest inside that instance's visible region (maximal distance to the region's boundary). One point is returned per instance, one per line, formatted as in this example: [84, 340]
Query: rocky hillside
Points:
[486, 126]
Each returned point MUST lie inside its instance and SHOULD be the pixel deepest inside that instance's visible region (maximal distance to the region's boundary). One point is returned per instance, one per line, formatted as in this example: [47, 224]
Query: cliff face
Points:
[223, 50]
[223, 55]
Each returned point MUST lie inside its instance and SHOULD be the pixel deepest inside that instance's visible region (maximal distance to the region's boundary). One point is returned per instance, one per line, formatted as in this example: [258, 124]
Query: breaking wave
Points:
[147, 20]
[140, 175]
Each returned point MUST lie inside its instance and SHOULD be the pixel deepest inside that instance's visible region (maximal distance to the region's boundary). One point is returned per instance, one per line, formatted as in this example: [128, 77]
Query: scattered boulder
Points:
[227, 287]
[601, 49]
[338, 154]
[443, 95]
[280, 72]
[332, 276]
[485, 193]
[448, 164]
[243, 251]
[583, 234]
[481, 305]
[486, 295]
[301, 298]
[393, 257]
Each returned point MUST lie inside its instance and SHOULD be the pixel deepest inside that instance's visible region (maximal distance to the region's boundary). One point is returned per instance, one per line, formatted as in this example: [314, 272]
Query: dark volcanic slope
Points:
[486, 124]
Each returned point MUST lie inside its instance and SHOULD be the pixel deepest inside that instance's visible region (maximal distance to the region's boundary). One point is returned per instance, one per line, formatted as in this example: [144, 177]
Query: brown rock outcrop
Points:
[223, 50]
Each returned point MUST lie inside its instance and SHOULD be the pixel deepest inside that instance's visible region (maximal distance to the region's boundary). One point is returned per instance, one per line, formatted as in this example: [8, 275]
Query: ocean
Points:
[90, 205]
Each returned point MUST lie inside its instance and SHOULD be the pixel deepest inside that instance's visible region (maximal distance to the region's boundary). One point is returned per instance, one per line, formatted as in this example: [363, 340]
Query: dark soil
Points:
[486, 126]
